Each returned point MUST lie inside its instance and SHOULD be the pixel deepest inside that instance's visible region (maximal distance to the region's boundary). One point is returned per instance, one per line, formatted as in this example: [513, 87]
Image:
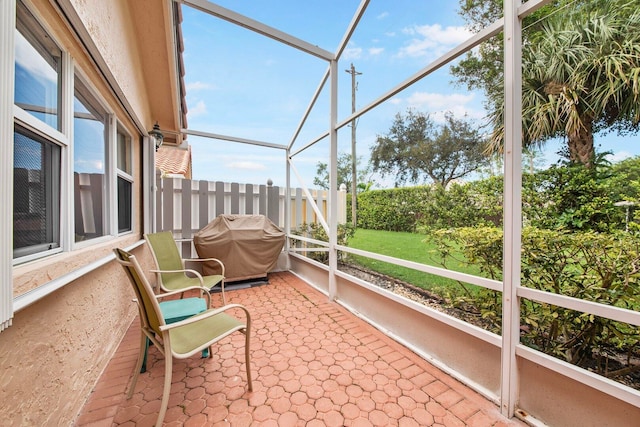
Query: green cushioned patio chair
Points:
[182, 339]
[171, 271]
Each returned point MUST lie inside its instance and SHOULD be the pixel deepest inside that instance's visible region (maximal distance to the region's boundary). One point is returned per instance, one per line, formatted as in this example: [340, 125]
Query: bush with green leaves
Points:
[314, 230]
[395, 209]
[565, 196]
[572, 197]
[599, 267]
[406, 209]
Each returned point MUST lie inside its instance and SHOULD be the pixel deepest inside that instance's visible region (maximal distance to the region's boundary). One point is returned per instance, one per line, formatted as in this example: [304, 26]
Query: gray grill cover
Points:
[248, 245]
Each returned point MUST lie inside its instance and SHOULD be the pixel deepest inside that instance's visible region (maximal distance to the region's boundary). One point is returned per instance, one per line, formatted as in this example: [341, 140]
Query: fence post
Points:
[219, 197]
[342, 204]
[235, 198]
[186, 211]
[168, 204]
[159, 196]
[273, 202]
[203, 202]
[248, 199]
[262, 200]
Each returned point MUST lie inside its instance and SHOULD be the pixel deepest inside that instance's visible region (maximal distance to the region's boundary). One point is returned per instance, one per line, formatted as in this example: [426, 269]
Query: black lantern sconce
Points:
[157, 135]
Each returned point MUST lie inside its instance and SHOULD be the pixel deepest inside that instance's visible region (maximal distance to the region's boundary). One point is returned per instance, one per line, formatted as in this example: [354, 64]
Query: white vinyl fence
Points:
[185, 206]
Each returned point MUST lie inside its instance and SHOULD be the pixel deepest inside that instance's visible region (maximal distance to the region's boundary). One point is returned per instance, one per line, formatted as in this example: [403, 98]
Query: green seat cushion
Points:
[180, 309]
[188, 339]
[177, 281]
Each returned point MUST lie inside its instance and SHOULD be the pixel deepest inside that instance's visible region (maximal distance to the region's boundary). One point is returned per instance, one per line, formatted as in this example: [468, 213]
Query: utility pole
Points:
[354, 181]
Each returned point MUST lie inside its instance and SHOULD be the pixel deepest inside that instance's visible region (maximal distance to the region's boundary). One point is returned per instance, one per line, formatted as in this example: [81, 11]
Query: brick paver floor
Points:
[313, 363]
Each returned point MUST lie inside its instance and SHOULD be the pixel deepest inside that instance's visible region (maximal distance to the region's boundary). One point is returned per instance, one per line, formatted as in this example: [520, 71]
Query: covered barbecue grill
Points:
[248, 245]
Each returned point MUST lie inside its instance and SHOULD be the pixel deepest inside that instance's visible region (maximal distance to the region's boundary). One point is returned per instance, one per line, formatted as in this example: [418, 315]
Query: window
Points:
[37, 155]
[36, 194]
[125, 182]
[37, 70]
[89, 160]
[73, 179]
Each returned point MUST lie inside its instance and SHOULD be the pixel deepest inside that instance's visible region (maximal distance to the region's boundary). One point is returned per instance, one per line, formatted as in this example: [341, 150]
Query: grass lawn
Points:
[407, 246]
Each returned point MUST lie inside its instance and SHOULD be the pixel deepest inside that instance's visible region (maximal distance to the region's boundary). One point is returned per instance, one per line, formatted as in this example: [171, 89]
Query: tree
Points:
[416, 149]
[581, 72]
[344, 174]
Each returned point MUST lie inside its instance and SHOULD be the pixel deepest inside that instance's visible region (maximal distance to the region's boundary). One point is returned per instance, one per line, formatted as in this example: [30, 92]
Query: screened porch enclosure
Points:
[520, 380]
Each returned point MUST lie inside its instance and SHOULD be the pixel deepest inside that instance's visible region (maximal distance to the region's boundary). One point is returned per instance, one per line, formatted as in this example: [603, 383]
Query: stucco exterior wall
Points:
[52, 355]
[113, 32]
[57, 348]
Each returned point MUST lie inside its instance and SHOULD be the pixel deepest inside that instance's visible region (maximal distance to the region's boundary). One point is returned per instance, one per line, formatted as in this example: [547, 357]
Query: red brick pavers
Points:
[313, 363]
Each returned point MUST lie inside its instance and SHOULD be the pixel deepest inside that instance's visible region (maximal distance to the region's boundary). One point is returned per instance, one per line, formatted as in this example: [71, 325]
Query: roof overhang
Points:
[160, 46]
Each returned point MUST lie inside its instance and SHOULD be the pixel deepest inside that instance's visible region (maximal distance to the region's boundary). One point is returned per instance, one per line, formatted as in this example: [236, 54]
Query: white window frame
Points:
[7, 69]
[11, 115]
[59, 137]
[122, 174]
[109, 167]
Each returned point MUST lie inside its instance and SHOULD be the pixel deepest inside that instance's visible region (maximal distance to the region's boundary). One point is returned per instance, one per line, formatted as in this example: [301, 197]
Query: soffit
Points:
[161, 63]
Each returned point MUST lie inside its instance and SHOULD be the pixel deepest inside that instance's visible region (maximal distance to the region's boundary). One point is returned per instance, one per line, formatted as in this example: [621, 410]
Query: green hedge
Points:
[406, 209]
[565, 196]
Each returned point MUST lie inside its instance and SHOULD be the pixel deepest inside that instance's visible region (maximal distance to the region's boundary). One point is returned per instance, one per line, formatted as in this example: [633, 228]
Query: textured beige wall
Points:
[57, 348]
[114, 33]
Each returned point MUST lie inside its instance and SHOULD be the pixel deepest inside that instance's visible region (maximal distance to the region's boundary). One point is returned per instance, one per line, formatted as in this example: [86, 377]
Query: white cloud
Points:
[28, 57]
[352, 53]
[198, 110]
[437, 101]
[432, 40]
[199, 86]
[246, 165]
[619, 156]
[89, 166]
[382, 15]
[437, 104]
[373, 51]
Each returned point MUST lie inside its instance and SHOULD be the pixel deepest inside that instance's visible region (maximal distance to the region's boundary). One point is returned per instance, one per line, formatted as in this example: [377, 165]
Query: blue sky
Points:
[243, 84]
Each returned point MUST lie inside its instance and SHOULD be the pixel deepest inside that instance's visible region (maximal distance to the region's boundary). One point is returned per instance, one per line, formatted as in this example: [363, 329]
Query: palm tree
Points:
[581, 74]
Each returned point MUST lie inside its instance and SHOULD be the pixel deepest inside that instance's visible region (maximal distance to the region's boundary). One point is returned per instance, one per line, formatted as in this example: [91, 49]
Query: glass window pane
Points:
[89, 155]
[37, 68]
[124, 205]
[124, 184]
[36, 194]
[124, 153]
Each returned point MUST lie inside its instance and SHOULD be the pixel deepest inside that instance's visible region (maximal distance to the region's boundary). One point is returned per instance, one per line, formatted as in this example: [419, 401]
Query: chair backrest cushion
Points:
[166, 255]
[150, 310]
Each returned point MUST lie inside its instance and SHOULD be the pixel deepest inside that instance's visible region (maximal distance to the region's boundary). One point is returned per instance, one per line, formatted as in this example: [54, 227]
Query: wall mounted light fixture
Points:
[157, 135]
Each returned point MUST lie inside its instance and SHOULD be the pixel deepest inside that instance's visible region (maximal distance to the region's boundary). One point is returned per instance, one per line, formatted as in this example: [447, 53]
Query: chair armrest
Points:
[220, 263]
[180, 291]
[202, 287]
[182, 270]
[203, 259]
[185, 270]
[207, 314]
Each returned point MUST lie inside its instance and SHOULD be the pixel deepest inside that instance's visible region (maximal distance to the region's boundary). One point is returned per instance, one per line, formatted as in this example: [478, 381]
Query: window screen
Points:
[36, 194]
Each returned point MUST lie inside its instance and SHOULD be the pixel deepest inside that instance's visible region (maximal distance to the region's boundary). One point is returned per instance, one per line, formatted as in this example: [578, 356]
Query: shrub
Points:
[395, 209]
[592, 266]
[565, 196]
[407, 209]
[315, 231]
